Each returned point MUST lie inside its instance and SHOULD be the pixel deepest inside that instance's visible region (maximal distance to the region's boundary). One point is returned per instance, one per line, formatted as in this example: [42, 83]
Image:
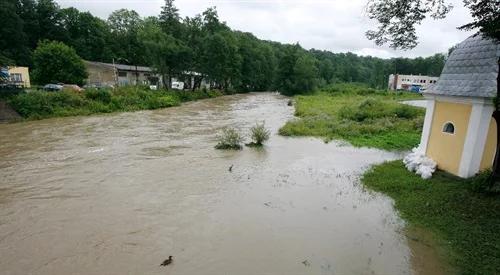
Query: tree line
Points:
[229, 59]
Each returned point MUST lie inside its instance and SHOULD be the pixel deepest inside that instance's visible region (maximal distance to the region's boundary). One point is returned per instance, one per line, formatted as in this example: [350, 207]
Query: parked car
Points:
[53, 87]
[98, 86]
[72, 87]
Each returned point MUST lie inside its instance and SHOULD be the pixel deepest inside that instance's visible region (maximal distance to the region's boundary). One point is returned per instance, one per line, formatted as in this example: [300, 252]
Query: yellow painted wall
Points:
[489, 147]
[25, 74]
[446, 149]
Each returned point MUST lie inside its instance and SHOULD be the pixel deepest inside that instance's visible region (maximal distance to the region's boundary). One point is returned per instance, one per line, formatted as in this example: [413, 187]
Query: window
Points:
[449, 128]
[16, 77]
[122, 74]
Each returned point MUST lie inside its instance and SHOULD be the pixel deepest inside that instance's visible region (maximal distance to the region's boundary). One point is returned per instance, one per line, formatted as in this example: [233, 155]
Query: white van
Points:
[177, 85]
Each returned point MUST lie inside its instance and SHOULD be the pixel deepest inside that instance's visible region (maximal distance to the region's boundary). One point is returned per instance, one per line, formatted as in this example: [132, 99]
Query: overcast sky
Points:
[334, 25]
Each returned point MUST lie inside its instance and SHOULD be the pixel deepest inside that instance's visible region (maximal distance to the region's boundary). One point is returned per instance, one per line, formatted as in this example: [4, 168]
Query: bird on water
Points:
[167, 261]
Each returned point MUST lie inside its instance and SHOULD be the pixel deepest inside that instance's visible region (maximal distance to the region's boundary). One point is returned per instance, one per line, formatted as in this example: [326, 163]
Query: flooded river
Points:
[119, 193]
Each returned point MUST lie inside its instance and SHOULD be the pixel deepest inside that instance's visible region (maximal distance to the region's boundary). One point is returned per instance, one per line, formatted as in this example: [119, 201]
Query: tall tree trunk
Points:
[169, 79]
[136, 76]
[496, 115]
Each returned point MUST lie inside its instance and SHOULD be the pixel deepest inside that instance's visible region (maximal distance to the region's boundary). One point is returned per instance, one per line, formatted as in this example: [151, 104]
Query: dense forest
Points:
[203, 43]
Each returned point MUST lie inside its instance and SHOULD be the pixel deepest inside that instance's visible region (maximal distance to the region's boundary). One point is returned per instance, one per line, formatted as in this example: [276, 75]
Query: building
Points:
[106, 74]
[459, 132]
[18, 76]
[415, 83]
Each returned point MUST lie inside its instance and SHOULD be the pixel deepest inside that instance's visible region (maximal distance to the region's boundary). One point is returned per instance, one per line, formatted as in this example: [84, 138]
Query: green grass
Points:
[465, 222]
[42, 104]
[360, 115]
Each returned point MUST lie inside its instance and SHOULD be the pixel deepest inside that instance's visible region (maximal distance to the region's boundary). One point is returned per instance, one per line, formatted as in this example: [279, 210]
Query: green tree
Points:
[305, 73]
[193, 36]
[87, 34]
[124, 25]
[55, 62]
[12, 37]
[257, 64]
[326, 70]
[297, 71]
[211, 22]
[170, 19]
[221, 60]
[168, 55]
[397, 19]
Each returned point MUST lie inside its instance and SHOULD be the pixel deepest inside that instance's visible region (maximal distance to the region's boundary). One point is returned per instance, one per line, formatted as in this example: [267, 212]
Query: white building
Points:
[415, 83]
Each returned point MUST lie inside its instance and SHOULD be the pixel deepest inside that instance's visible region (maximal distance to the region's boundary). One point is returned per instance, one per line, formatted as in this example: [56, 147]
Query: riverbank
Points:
[41, 104]
[360, 115]
[465, 222]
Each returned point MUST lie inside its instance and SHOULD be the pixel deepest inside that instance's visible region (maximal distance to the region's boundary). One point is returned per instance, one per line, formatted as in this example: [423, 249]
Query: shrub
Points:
[102, 95]
[156, 102]
[42, 104]
[367, 109]
[259, 134]
[56, 62]
[406, 111]
[229, 139]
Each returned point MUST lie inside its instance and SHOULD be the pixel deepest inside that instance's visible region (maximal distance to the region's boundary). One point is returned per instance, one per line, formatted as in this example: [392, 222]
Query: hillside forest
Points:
[230, 59]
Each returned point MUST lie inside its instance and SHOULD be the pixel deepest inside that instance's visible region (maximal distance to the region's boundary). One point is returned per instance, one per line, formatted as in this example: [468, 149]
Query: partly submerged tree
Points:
[397, 20]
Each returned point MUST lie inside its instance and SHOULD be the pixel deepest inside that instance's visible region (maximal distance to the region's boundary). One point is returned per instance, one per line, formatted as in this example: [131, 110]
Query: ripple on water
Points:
[118, 193]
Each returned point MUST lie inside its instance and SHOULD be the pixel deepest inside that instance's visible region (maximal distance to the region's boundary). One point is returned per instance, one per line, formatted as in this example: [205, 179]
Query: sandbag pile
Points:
[417, 162]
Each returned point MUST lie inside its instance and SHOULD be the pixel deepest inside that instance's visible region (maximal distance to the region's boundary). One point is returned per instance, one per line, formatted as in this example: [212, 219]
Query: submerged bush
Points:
[229, 139]
[259, 134]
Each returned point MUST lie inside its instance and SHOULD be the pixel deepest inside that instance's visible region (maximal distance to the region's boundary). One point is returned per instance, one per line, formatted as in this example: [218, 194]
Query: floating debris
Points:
[306, 263]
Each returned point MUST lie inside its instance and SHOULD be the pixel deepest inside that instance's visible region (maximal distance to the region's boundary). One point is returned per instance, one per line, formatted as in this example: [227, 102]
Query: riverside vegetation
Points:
[259, 134]
[464, 220]
[230, 138]
[42, 104]
[358, 114]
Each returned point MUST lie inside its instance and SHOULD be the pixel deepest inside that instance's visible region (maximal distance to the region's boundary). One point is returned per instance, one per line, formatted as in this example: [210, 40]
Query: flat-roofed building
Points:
[107, 74]
[19, 76]
[415, 83]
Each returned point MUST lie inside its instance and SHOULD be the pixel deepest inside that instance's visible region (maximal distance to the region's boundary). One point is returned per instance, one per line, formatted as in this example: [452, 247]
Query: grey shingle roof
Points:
[471, 69]
[121, 67]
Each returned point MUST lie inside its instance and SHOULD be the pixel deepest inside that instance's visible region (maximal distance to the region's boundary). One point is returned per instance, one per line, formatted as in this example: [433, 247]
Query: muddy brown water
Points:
[118, 194]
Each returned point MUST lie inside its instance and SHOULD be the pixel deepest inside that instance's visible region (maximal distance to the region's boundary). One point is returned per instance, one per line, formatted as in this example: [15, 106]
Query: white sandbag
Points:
[417, 162]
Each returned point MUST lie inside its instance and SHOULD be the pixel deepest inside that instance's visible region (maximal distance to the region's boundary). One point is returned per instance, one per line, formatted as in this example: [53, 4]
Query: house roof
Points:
[471, 69]
[121, 67]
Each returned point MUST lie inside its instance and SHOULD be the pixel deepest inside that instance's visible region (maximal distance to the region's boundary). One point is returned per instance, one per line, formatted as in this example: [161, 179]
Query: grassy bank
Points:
[42, 104]
[358, 114]
[465, 222]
